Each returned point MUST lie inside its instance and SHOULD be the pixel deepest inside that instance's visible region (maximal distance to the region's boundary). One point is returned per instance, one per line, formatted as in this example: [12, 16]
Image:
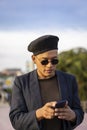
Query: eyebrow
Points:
[48, 58]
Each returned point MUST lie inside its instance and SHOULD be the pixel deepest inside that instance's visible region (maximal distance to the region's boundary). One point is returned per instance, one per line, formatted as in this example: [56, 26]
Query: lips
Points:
[49, 71]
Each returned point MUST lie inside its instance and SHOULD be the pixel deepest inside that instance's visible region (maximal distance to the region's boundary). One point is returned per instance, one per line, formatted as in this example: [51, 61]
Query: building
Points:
[11, 72]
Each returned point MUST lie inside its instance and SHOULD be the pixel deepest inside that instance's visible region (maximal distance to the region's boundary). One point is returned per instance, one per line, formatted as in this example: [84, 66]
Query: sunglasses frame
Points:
[46, 61]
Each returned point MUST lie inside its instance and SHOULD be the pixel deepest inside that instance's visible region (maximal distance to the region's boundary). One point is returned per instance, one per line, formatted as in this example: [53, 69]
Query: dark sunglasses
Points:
[53, 61]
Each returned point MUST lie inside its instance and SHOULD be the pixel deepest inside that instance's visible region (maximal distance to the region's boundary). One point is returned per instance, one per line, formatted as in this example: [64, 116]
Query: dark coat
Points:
[26, 99]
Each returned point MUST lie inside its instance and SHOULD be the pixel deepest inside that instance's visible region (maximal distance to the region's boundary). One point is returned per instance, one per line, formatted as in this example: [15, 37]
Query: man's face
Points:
[46, 63]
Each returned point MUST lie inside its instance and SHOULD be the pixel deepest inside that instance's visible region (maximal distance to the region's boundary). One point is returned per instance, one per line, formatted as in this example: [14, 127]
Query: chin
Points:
[49, 75]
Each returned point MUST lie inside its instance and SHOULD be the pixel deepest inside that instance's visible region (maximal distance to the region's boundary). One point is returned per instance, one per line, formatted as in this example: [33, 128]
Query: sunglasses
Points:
[46, 61]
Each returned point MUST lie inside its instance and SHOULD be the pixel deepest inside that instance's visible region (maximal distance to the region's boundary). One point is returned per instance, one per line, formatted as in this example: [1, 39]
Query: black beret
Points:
[43, 44]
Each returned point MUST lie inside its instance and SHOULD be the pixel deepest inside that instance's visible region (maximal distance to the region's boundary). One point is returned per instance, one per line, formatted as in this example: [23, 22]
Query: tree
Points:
[75, 61]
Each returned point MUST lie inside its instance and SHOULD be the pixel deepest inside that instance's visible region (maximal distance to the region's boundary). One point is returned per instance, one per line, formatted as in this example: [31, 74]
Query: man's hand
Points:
[47, 111]
[65, 113]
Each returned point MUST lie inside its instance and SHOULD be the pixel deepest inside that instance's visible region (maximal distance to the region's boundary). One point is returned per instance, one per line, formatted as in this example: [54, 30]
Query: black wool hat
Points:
[43, 44]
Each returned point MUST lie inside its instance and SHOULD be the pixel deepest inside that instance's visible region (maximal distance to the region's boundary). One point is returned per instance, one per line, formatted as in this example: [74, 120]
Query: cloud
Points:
[73, 38]
[13, 44]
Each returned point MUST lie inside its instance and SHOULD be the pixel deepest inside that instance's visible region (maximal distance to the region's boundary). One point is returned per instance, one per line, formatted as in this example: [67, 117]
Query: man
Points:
[36, 93]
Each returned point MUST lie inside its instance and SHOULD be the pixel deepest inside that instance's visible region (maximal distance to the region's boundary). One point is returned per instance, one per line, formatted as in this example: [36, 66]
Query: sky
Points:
[21, 21]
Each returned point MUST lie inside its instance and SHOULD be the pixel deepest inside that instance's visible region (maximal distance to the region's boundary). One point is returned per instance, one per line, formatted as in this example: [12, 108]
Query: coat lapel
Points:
[35, 92]
[62, 85]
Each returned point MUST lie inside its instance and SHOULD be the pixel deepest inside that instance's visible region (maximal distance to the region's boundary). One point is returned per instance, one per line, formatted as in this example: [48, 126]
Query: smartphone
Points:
[60, 104]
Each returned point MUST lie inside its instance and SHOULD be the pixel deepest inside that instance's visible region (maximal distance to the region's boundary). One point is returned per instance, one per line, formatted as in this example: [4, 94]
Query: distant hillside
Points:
[75, 61]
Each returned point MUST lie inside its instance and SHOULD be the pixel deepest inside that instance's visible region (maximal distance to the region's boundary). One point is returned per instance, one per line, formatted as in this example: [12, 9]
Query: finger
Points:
[49, 115]
[51, 104]
[62, 115]
[61, 111]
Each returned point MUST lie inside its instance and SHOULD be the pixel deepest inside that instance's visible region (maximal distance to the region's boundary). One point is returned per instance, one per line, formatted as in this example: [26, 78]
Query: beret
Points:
[43, 44]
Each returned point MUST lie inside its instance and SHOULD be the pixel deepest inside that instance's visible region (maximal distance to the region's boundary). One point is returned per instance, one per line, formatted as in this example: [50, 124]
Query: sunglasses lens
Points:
[54, 61]
[44, 62]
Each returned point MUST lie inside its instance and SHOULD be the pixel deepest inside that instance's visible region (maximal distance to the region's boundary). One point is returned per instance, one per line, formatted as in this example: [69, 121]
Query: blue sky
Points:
[23, 20]
[37, 14]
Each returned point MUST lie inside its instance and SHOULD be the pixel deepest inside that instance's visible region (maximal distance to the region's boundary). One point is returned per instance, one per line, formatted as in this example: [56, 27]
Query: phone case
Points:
[60, 104]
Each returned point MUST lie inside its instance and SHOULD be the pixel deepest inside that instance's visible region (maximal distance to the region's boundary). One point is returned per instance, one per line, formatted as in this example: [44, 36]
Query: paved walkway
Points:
[4, 118]
[83, 125]
[6, 125]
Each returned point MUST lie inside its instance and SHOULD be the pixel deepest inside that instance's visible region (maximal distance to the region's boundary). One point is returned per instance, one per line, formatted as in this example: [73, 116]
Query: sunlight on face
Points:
[45, 71]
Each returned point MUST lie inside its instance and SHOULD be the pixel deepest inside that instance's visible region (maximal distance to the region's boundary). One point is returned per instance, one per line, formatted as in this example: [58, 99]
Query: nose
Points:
[49, 64]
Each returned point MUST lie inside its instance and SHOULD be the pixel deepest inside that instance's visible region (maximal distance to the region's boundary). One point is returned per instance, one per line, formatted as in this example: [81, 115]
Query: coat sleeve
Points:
[21, 118]
[76, 105]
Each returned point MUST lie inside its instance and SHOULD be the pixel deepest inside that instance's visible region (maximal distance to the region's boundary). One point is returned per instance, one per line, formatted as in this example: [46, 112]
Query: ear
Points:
[33, 58]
